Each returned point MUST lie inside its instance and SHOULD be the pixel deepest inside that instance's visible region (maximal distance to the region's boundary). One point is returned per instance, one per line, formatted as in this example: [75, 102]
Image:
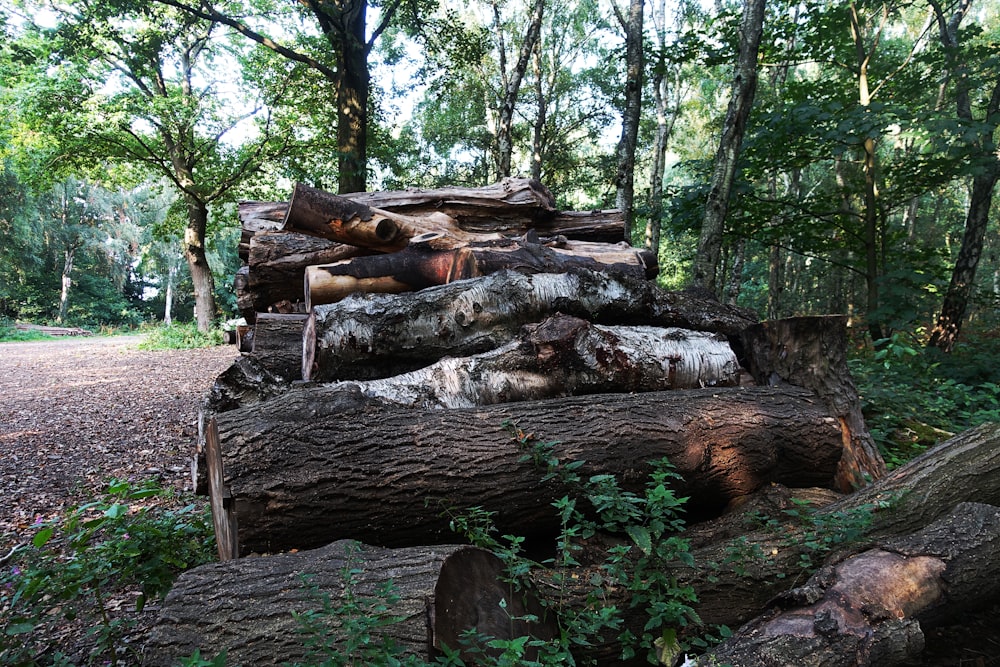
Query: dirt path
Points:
[75, 412]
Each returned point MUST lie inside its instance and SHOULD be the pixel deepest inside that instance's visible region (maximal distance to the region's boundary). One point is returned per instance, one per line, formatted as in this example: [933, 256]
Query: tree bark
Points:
[201, 273]
[277, 344]
[383, 335]
[563, 356]
[392, 475]
[421, 264]
[625, 154]
[246, 608]
[340, 219]
[757, 565]
[867, 609]
[727, 157]
[811, 352]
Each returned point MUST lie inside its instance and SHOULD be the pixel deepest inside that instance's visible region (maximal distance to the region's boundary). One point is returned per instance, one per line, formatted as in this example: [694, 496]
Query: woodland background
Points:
[864, 185]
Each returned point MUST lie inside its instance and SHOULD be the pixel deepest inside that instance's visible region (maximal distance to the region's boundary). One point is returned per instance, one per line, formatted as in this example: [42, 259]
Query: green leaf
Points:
[116, 511]
[22, 628]
[42, 536]
[640, 535]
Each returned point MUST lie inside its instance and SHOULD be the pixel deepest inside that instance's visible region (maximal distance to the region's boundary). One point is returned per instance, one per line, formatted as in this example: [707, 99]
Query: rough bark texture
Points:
[277, 344]
[421, 264]
[364, 337]
[563, 356]
[278, 260]
[727, 156]
[245, 607]
[866, 610]
[811, 352]
[759, 564]
[390, 475]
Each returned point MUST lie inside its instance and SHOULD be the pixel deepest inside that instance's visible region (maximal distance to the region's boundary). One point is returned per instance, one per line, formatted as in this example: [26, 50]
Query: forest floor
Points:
[76, 412]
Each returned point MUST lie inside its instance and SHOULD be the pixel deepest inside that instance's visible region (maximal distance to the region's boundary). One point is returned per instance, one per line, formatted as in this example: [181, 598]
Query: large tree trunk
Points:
[392, 475]
[867, 609]
[247, 608]
[727, 156]
[421, 264]
[811, 352]
[383, 335]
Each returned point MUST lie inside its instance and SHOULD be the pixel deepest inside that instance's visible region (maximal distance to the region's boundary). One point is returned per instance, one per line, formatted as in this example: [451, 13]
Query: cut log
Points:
[246, 608]
[421, 265]
[811, 352]
[866, 610]
[390, 475]
[607, 226]
[383, 335]
[278, 260]
[257, 217]
[277, 344]
[752, 568]
[562, 356]
[329, 216]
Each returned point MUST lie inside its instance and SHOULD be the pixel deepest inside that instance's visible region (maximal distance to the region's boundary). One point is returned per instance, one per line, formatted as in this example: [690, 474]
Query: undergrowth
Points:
[130, 544]
[180, 337]
[914, 397]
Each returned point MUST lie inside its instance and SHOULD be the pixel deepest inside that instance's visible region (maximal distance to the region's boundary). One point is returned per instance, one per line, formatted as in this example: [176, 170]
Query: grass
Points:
[180, 337]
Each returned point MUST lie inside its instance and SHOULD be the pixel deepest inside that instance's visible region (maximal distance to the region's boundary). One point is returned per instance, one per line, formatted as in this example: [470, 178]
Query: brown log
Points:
[420, 265]
[277, 262]
[562, 356]
[866, 610]
[391, 474]
[811, 352]
[752, 568]
[382, 335]
[258, 217]
[246, 607]
[329, 216]
[277, 343]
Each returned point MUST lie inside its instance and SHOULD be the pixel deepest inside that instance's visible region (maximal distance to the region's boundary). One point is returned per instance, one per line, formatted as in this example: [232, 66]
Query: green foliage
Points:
[913, 397]
[648, 522]
[359, 620]
[125, 540]
[180, 337]
[10, 334]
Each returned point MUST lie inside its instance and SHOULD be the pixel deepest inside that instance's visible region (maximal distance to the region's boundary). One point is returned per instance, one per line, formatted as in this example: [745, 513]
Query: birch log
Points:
[383, 335]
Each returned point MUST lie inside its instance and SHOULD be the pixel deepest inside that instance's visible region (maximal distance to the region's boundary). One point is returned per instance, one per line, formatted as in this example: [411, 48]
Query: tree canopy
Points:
[863, 183]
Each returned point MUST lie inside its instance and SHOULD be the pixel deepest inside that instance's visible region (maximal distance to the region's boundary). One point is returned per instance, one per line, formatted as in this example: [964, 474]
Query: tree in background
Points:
[632, 25]
[137, 85]
[727, 157]
[958, 66]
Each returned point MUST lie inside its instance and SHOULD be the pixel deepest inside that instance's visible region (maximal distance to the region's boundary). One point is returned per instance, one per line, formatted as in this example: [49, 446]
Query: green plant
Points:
[180, 337]
[11, 334]
[649, 521]
[126, 540]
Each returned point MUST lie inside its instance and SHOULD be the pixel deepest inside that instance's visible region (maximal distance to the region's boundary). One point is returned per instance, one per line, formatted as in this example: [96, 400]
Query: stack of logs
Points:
[402, 342]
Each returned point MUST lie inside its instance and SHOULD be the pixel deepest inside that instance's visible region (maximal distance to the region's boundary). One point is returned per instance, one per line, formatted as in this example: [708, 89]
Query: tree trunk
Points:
[277, 344]
[563, 356]
[201, 273]
[727, 157]
[168, 297]
[634, 64]
[67, 282]
[512, 85]
[811, 352]
[392, 476]
[422, 265]
[383, 335]
[247, 608]
[867, 609]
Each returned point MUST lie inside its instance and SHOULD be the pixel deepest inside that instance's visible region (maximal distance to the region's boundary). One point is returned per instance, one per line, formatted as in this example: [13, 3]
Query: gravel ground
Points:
[75, 412]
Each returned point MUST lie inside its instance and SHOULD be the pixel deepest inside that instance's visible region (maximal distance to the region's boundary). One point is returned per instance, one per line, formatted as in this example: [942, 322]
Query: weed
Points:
[76, 563]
